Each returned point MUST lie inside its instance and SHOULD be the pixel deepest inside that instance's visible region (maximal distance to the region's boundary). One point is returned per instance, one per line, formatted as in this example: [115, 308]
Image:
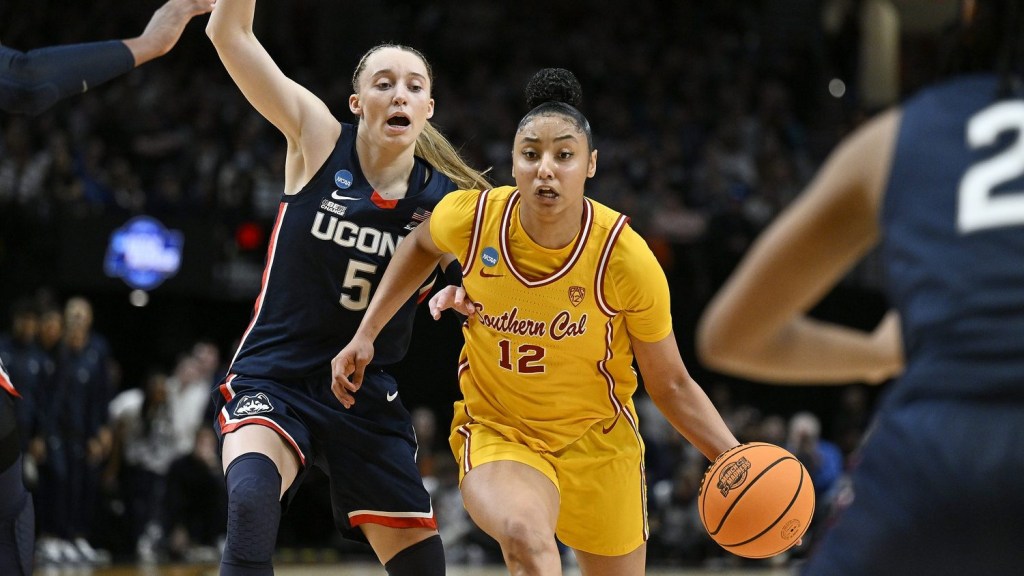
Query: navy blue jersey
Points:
[953, 228]
[5, 380]
[28, 367]
[328, 251]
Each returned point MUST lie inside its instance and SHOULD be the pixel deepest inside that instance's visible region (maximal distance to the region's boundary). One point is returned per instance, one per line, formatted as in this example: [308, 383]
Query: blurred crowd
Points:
[708, 116]
[131, 469]
[113, 466]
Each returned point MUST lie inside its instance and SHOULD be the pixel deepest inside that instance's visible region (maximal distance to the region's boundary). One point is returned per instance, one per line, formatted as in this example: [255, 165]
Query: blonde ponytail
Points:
[433, 147]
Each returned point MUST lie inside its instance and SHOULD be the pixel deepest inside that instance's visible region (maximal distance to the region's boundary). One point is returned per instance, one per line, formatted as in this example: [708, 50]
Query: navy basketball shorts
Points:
[368, 451]
[937, 491]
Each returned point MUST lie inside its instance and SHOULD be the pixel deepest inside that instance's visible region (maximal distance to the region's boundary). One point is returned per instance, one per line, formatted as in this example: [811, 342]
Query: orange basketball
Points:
[756, 500]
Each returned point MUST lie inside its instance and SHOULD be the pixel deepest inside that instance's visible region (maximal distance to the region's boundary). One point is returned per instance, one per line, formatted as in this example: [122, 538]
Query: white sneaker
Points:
[90, 554]
[68, 553]
[47, 551]
[148, 543]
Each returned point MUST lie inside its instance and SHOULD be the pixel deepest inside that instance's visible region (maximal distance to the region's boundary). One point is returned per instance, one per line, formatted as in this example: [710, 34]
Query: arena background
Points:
[709, 117]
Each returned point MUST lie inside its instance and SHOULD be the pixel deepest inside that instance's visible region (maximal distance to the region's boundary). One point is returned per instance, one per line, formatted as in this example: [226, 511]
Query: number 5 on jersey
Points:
[355, 292]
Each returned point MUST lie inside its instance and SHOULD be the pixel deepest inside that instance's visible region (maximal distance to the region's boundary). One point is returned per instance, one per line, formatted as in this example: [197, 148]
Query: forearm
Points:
[691, 413]
[408, 270]
[809, 351]
[33, 81]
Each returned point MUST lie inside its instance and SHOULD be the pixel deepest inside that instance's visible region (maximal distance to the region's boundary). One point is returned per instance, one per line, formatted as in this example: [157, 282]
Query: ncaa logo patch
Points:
[343, 179]
[489, 256]
[251, 404]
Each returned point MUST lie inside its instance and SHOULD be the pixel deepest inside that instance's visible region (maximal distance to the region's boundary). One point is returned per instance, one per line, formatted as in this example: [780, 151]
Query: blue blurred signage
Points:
[143, 253]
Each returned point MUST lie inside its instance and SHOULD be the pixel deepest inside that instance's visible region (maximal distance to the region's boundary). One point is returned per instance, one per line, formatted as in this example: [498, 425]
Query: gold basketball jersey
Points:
[546, 354]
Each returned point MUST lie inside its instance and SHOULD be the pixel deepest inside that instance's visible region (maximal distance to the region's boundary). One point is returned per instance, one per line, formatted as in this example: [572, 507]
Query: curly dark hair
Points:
[553, 85]
[556, 91]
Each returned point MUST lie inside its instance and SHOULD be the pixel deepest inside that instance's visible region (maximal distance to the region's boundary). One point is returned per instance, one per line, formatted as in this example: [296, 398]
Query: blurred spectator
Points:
[144, 447]
[195, 503]
[188, 391]
[773, 430]
[82, 391]
[822, 458]
[677, 534]
[852, 419]
[26, 365]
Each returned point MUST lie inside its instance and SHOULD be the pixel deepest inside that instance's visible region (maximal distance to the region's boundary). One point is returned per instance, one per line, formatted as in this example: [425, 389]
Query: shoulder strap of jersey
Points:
[474, 239]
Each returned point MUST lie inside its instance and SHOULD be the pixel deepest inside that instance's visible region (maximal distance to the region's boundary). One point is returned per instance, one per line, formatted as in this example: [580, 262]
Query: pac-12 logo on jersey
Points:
[253, 404]
[343, 179]
[577, 294]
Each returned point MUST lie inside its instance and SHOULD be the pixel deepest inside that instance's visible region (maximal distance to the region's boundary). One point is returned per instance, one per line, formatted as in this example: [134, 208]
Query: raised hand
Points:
[165, 28]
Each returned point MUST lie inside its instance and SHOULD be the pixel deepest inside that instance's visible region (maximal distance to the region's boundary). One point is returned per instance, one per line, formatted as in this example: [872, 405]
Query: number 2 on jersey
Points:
[978, 208]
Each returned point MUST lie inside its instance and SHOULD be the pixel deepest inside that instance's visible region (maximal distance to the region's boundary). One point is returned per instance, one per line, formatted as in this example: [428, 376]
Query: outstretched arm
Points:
[414, 261]
[304, 120]
[31, 82]
[757, 326]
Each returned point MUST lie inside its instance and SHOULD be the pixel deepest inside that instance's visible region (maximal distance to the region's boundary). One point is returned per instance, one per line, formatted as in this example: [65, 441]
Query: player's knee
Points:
[522, 542]
[424, 558]
[254, 510]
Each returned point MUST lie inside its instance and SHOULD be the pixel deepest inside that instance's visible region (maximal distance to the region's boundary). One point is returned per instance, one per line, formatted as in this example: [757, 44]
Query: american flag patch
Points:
[419, 215]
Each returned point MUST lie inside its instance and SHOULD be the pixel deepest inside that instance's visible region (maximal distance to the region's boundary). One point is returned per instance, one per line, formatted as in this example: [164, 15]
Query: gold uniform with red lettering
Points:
[546, 371]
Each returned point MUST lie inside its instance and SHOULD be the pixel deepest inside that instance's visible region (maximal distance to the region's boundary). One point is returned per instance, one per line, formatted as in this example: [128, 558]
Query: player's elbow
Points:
[21, 94]
[222, 30]
[218, 30]
[716, 348]
[213, 31]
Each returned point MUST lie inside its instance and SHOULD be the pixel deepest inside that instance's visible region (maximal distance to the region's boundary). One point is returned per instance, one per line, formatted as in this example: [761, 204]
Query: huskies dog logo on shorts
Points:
[253, 404]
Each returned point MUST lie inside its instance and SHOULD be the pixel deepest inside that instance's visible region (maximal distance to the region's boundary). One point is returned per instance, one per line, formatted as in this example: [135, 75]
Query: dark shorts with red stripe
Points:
[368, 451]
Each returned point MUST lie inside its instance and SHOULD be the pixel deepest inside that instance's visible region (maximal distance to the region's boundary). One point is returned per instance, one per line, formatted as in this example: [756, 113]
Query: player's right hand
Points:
[347, 370]
[453, 297]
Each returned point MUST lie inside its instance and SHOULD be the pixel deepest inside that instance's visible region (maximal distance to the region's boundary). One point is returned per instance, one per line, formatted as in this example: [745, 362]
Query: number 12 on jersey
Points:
[525, 358]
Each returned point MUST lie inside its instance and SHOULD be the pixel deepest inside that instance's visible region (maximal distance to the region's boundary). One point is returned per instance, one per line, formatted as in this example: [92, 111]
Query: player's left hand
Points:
[347, 370]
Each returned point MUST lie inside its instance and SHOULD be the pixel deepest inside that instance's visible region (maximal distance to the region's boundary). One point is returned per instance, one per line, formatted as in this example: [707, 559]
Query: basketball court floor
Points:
[367, 569]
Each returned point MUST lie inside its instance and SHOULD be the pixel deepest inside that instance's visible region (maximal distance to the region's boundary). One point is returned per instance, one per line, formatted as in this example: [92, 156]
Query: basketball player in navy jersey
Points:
[30, 83]
[17, 519]
[938, 183]
[33, 81]
[352, 192]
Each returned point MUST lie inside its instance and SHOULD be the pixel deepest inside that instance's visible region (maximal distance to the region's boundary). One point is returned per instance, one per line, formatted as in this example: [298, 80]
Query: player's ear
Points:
[354, 106]
[430, 109]
[592, 165]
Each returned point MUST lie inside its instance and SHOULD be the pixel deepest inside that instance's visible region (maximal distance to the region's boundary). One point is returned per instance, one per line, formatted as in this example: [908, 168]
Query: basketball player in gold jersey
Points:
[560, 294]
